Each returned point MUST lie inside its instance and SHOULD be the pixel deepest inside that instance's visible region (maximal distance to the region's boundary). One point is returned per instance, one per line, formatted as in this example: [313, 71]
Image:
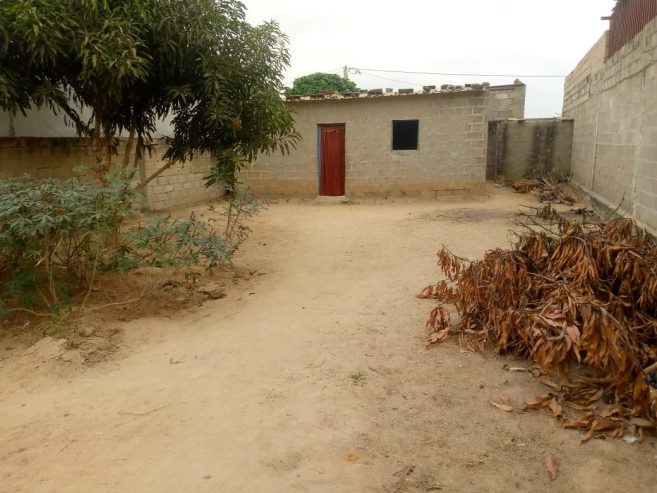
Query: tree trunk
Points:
[95, 146]
[131, 138]
[139, 148]
[108, 150]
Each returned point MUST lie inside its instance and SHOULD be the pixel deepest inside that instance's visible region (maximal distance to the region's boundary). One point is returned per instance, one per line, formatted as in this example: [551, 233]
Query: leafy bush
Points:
[52, 231]
[56, 235]
[238, 210]
[164, 242]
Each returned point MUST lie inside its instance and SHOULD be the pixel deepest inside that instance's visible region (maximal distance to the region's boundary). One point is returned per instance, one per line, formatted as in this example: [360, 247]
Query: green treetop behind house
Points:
[320, 83]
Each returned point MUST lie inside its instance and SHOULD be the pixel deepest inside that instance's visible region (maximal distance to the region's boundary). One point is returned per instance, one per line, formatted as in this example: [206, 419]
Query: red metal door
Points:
[331, 152]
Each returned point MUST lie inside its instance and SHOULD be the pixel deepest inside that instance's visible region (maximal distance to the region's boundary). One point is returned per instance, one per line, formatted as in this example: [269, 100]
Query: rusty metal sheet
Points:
[627, 20]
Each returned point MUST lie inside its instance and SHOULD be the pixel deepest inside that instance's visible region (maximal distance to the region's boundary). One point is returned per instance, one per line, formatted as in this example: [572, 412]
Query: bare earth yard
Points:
[310, 376]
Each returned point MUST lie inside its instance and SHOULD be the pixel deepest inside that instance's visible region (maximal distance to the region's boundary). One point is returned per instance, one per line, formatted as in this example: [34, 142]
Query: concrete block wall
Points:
[39, 122]
[37, 157]
[42, 157]
[451, 150]
[43, 122]
[531, 148]
[614, 105]
[182, 184]
[506, 101]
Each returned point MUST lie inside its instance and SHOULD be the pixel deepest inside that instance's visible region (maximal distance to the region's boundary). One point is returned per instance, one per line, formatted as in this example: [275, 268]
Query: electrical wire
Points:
[461, 75]
[390, 80]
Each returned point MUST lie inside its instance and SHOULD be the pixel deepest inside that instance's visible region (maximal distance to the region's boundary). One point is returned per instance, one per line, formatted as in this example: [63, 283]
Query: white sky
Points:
[452, 36]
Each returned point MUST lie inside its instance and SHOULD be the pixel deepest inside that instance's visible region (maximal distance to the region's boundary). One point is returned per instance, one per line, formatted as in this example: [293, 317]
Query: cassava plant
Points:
[56, 236]
[51, 232]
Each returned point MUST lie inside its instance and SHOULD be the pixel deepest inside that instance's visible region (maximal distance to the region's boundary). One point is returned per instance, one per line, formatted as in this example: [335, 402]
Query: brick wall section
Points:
[450, 155]
[38, 157]
[180, 184]
[614, 105]
[531, 148]
[506, 101]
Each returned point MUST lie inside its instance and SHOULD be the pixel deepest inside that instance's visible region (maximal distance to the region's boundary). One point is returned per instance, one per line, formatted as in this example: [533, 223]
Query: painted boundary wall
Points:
[614, 105]
[39, 157]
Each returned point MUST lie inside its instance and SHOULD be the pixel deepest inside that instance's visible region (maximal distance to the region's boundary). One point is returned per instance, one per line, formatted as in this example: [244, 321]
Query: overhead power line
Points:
[392, 80]
[462, 75]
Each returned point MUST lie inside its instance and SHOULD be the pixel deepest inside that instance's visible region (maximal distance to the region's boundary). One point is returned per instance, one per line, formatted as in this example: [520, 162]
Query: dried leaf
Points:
[551, 466]
[599, 425]
[538, 403]
[437, 337]
[516, 368]
[425, 293]
[551, 384]
[554, 315]
[643, 423]
[503, 407]
[579, 407]
[596, 396]
[608, 411]
[556, 408]
[350, 457]
[573, 334]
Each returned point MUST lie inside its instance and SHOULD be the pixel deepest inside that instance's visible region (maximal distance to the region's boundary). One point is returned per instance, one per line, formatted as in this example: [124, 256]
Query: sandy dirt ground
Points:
[309, 376]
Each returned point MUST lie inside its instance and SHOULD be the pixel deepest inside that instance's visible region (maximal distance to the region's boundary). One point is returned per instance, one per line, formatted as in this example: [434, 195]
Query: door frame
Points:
[319, 153]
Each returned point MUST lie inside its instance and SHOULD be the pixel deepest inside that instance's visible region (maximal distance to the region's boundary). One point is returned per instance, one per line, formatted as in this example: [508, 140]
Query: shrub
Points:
[164, 242]
[56, 235]
[51, 232]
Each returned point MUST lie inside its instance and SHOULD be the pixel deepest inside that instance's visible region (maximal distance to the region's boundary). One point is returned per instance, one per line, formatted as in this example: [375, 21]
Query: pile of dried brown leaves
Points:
[578, 299]
[548, 190]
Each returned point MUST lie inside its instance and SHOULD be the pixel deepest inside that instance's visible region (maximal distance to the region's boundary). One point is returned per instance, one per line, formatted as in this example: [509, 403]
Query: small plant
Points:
[166, 242]
[359, 378]
[59, 325]
[240, 208]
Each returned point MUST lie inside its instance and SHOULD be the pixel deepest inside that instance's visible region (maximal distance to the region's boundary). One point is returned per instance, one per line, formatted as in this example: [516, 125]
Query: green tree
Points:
[132, 63]
[320, 83]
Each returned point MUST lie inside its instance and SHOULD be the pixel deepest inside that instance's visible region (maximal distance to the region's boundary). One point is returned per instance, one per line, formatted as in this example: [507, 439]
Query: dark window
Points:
[404, 135]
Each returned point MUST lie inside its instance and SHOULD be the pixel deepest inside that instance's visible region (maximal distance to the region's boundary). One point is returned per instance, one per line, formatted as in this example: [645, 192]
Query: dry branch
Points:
[570, 297]
[548, 189]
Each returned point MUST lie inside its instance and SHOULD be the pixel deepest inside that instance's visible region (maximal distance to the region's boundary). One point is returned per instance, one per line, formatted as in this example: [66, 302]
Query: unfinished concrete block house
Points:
[380, 143]
[371, 143]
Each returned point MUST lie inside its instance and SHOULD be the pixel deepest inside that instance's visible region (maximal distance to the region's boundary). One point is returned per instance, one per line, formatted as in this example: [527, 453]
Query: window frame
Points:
[417, 134]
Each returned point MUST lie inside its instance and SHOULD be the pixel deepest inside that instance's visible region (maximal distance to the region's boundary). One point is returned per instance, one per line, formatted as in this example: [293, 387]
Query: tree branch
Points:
[145, 292]
[143, 184]
[32, 312]
[81, 127]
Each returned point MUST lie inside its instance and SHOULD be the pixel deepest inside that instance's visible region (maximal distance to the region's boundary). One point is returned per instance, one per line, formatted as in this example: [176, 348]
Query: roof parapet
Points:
[388, 92]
